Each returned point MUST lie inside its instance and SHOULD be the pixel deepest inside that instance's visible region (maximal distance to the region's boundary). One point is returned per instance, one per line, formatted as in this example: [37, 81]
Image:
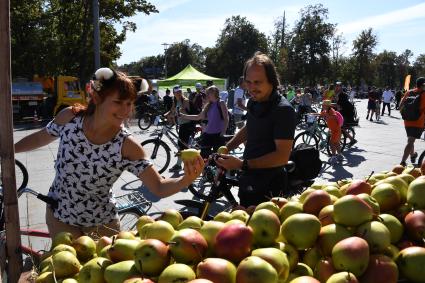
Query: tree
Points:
[338, 45]
[180, 54]
[278, 47]
[309, 54]
[238, 41]
[148, 67]
[419, 66]
[385, 66]
[363, 47]
[403, 65]
[56, 37]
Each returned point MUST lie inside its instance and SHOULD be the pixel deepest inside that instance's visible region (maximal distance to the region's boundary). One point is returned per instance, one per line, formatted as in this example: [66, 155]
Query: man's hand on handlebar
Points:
[228, 162]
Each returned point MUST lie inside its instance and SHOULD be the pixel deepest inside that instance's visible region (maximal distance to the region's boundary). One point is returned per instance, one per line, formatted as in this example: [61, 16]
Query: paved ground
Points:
[379, 148]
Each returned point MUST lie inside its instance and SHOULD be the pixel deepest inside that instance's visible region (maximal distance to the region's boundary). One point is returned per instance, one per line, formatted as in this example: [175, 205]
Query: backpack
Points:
[307, 162]
[410, 109]
[339, 118]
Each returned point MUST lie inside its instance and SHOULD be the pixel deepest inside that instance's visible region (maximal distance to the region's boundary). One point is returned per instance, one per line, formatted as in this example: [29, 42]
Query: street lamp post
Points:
[165, 57]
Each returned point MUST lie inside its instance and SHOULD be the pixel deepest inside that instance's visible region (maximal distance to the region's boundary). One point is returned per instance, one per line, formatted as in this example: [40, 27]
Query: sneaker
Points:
[413, 157]
[175, 168]
[352, 142]
[371, 120]
[403, 163]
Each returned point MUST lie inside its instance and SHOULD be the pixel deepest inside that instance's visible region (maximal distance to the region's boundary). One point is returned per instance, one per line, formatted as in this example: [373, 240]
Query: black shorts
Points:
[414, 132]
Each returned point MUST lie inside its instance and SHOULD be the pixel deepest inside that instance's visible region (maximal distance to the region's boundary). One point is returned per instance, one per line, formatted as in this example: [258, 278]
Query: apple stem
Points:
[171, 243]
[98, 263]
[113, 240]
[349, 276]
[370, 175]
[249, 218]
[379, 217]
[53, 272]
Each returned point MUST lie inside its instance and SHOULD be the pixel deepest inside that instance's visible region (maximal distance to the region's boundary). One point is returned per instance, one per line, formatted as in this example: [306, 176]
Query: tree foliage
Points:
[238, 41]
[56, 37]
[363, 47]
[180, 54]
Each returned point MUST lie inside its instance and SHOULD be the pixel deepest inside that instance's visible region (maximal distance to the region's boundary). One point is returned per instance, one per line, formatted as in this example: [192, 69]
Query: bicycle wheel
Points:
[392, 105]
[351, 132]
[145, 121]
[160, 153]
[306, 138]
[128, 219]
[201, 187]
[342, 143]
[21, 175]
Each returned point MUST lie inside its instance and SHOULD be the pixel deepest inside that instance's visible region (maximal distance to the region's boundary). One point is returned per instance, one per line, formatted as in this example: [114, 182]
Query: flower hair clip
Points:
[102, 76]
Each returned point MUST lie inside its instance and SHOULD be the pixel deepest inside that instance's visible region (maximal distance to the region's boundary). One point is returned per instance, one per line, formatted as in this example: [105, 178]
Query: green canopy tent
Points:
[188, 77]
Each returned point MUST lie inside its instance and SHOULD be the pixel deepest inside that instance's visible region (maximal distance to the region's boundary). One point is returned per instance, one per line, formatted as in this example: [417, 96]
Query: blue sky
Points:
[399, 24]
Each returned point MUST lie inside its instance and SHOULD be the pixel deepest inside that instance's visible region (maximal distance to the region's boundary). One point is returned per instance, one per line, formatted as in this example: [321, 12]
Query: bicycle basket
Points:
[311, 118]
[133, 200]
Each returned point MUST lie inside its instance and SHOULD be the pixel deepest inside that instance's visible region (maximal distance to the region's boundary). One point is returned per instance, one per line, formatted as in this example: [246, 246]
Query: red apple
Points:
[380, 269]
[359, 187]
[415, 225]
[315, 201]
[234, 241]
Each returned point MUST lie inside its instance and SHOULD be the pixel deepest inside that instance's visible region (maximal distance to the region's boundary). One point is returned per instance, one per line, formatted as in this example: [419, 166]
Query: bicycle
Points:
[215, 183]
[21, 175]
[318, 136]
[160, 152]
[129, 208]
[148, 116]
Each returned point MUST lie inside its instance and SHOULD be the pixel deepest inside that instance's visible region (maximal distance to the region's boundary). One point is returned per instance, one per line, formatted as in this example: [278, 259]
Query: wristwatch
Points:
[244, 165]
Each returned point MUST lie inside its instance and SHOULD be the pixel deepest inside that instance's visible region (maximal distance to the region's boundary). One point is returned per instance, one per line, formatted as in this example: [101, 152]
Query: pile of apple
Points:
[368, 230]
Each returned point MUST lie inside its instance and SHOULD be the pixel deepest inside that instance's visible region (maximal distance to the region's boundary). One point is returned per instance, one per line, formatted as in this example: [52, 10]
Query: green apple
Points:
[416, 193]
[330, 235]
[266, 225]
[62, 238]
[177, 272]
[63, 247]
[312, 256]
[120, 271]
[172, 216]
[216, 270]
[122, 249]
[304, 194]
[254, 269]
[376, 234]
[192, 222]
[125, 235]
[292, 207]
[144, 219]
[350, 210]
[273, 207]
[332, 190]
[277, 259]
[342, 277]
[65, 264]
[45, 277]
[291, 254]
[209, 231]
[223, 216]
[301, 230]
[372, 202]
[407, 178]
[93, 270]
[240, 214]
[85, 248]
[411, 262]
[188, 246]
[160, 230]
[103, 242]
[326, 215]
[351, 254]
[387, 196]
[302, 269]
[399, 183]
[151, 257]
[394, 226]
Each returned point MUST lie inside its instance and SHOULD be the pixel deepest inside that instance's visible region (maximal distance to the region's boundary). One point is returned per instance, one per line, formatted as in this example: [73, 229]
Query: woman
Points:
[215, 111]
[94, 150]
[186, 128]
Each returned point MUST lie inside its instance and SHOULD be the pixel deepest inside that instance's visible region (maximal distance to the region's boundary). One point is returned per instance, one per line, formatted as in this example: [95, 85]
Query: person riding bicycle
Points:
[94, 149]
[186, 128]
[346, 108]
[215, 111]
[268, 133]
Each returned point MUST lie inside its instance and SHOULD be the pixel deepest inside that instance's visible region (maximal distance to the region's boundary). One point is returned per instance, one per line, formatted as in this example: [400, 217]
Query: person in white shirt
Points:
[387, 96]
[224, 95]
[239, 106]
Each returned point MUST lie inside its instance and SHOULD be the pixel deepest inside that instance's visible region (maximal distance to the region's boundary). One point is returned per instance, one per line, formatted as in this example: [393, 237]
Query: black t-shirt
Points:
[168, 102]
[266, 122]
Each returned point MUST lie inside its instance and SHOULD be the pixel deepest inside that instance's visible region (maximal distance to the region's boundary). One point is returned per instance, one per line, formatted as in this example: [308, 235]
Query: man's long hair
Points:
[261, 59]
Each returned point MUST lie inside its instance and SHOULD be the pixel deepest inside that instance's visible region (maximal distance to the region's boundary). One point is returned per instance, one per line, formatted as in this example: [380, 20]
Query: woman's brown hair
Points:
[118, 83]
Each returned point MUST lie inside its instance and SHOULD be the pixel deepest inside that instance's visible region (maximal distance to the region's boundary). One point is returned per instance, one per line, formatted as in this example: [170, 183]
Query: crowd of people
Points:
[95, 147]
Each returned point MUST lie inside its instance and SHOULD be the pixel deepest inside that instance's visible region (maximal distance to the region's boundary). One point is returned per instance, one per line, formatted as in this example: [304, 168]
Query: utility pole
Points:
[12, 250]
[166, 45]
[96, 35]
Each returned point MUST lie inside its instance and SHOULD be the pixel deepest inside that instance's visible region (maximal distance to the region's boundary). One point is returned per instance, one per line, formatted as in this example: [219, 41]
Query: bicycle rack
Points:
[134, 200]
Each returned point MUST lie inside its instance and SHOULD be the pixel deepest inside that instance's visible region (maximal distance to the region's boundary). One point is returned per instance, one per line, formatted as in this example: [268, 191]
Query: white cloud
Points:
[384, 20]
